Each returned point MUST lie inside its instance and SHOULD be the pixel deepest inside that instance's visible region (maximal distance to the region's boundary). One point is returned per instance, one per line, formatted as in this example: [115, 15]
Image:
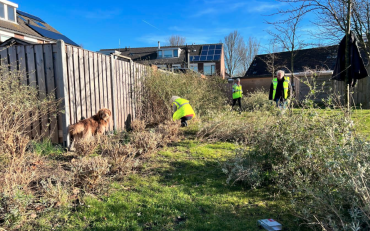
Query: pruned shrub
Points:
[86, 147]
[138, 125]
[89, 171]
[256, 100]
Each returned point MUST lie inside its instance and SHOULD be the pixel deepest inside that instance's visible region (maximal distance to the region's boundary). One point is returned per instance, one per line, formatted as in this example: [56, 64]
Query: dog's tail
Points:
[75, 129]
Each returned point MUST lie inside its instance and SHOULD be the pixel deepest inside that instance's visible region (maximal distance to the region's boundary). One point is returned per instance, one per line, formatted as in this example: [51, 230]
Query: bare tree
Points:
[286, 33]
[252, 49]
[235, 51]
[176, 40]
[332, 18]
[271, 58]
[335, 18]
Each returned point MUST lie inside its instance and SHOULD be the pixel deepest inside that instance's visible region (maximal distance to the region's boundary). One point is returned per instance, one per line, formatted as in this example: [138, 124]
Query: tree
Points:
[335, 18]
[286, 33]
[252, 49]
[332, 18]
[176, 40]
[271, 58]
[235, 52]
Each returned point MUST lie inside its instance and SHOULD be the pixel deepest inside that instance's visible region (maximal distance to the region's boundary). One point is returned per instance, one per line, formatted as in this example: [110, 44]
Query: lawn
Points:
[181, 188]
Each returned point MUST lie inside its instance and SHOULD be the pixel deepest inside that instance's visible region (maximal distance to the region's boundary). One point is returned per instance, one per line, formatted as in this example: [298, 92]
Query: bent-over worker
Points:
[182, 110]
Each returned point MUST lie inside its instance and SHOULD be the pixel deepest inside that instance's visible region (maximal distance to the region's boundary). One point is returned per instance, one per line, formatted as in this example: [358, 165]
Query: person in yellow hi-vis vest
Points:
[182, 110]
[237, 93]
[280, 89]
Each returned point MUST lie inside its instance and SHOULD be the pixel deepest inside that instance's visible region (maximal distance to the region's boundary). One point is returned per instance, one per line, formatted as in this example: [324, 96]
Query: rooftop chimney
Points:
[159, 45]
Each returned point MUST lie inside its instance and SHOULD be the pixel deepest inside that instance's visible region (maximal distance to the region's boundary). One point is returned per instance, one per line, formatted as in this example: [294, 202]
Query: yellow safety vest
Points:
[237, 91]
[183, 109]
[285, 86]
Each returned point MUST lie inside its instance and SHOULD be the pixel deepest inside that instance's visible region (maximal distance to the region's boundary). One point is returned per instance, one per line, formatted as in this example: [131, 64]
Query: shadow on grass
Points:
[187, 191]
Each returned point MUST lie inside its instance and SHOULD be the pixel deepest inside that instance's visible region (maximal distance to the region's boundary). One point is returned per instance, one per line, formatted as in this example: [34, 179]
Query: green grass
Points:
[182, 188]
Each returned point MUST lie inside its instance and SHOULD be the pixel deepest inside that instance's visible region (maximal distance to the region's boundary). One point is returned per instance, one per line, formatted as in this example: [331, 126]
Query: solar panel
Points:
[205, 48]
[217, 57]
[203, 58]
[212, 47]
[52, 35]
[217, 52]
[219, 47]
[204, 52]
[209, 57]
[39, 23]
[196, 58]
[23, 19]
[30, 16]
[211, 52]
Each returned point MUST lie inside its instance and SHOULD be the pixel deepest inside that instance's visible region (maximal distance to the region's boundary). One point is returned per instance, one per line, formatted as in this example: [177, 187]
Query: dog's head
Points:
[104, 114]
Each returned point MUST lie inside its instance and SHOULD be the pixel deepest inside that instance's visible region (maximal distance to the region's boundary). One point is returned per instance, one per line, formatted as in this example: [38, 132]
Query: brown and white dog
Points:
[87, 128]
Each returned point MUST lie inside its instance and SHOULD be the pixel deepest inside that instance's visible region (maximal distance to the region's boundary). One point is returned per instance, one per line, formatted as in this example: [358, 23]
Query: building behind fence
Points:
[85, 81]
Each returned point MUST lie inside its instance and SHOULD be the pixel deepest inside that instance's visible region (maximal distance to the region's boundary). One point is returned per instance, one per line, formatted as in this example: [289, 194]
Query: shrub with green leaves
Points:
[316, 157]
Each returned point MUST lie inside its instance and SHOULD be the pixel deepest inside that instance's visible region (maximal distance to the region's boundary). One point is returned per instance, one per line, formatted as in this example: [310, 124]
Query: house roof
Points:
[320, 58]
[149, 54]
[24, 27]
[15, 41]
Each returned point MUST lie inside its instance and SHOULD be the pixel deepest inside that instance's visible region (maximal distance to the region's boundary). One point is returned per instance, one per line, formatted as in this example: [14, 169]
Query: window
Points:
[168, 54]
[176, 66]
[194, 67]
[11, 14]
[209, 69]
[2, 10]
[175, 53]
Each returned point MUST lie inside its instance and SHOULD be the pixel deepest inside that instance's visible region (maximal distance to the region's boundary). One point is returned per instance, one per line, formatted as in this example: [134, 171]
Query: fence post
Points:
[62, 88]
[114, 93]
[132, 66]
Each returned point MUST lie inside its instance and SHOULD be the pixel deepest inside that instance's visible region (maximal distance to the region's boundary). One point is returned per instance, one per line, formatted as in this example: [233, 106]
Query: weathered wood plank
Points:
[77, 83]
[109, 89]
[50, 89]
[96, 83]
[87, 83]
[81, 65]
[12, 58]
[71, 80]
[120, 95]
[92, 83]
[100, 76]
[61, 79]
[41, 81]
[114, 91]
[22, 63]
[31, 78]
[104, 82]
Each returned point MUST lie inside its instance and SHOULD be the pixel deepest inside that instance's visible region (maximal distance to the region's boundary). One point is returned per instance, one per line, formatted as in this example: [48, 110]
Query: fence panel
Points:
[85, 82]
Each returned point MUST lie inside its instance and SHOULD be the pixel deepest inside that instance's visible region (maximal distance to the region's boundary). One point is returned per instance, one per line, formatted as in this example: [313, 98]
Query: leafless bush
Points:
[89, 171]
[138, 125]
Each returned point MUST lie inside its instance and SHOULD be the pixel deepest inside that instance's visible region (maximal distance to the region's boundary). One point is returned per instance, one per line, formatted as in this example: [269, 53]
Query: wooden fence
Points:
[85, 81]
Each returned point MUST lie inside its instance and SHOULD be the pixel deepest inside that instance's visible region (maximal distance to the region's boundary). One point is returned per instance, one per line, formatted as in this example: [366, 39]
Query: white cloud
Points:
[263, 6]
[205, 12]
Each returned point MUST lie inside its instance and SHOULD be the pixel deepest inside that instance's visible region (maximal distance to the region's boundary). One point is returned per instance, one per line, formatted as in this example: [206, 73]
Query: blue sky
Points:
[101, 24]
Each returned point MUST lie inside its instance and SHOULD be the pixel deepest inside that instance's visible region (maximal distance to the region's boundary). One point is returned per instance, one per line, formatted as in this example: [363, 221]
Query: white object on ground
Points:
[269, 224]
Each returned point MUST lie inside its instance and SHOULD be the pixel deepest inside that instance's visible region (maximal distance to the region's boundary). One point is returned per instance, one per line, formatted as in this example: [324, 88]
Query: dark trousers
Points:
[239, 102]
[184, 120]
